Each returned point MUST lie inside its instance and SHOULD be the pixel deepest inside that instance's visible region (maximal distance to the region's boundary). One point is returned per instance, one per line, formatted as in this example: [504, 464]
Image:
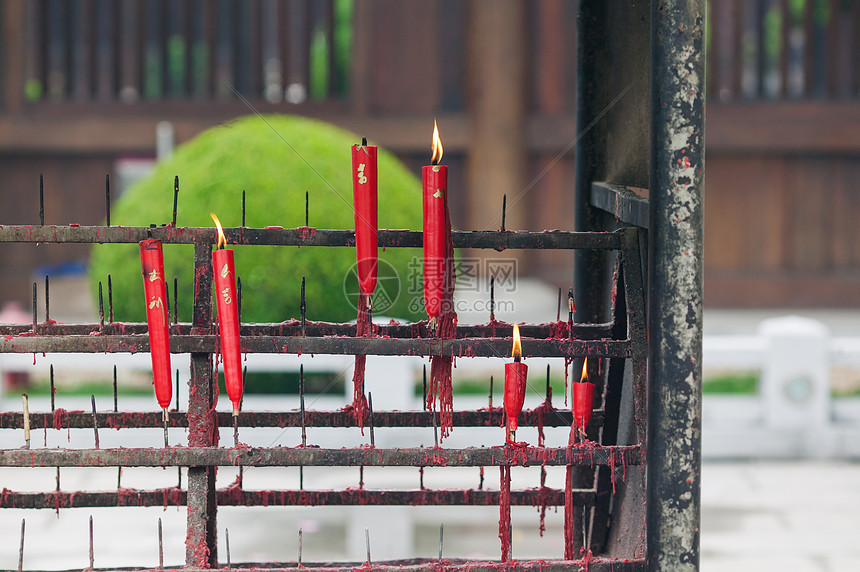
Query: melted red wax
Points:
[359, 407]
[306, 231]
[441, 366]
[60, 418]
[569, 551]
[505, 510]
[559, 330]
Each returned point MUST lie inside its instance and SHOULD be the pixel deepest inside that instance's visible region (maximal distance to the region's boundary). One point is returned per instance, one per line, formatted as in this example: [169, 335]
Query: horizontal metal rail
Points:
[463, 347]
[64, 419]
[594, 564]
[415, 330]
[307, 236]
[585, 455]
[236, 496]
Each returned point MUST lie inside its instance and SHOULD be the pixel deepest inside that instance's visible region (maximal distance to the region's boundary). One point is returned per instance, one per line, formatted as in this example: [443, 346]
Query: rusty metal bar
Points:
[675, 262]
[200, 457]
[464, 347]
[201, 548]
[64, 419]
[235, 496]
[628, 205]
[414, 330]
[303, 236]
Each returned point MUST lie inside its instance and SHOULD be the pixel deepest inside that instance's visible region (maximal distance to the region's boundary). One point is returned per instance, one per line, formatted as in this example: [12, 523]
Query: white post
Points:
[794, 377]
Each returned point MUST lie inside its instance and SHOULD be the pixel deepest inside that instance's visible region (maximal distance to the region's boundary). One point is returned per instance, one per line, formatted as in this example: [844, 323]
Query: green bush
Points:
[275, 159]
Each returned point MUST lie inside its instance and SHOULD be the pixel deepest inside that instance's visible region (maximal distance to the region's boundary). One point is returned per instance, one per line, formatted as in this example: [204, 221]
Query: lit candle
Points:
[365, 207]
[436, 228]
[228, 317]
[583, 400]
[515, 386]
[152, 263]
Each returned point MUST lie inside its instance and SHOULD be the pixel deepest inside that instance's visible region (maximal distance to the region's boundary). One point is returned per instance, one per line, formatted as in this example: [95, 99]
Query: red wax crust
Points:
[364, 185]
[228, 322]
[152, 263]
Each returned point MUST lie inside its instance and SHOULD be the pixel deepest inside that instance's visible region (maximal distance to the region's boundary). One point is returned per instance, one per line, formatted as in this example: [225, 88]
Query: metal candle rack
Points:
[620, 342]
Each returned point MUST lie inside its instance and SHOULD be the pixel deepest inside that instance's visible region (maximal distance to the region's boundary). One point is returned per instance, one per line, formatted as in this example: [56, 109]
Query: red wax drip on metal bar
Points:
[359, 401]
[228, 323]
[152, 262]
[365, 207]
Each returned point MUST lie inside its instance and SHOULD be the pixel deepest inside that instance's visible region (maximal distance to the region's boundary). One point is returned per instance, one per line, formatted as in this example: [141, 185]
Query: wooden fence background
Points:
[84, 82]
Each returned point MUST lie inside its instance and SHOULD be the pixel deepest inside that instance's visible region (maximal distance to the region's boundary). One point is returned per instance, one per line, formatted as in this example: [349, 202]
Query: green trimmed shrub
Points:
[275, 159]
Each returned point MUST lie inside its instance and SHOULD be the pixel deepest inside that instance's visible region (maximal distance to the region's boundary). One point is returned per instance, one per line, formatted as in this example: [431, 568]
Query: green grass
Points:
[742, 383]
[95, 387]
[472, 386]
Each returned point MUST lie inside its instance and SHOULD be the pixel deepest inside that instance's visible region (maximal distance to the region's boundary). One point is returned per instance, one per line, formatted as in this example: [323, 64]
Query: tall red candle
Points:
[583, 400]
[516, 374]
[152, 263]
[436, 227]
[228, 317]
[365, 207]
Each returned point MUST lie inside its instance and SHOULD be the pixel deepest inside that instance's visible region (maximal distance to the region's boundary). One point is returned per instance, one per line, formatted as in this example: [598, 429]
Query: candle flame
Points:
[517, 350]
[436, 158]
[584, 376]
[222, 240]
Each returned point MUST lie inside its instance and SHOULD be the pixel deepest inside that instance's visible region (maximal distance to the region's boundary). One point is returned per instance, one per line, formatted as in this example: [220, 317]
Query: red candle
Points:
[152, 262]
[365, 207]
[228, 317]
[515, 386]
[436, 228]
[583, 400]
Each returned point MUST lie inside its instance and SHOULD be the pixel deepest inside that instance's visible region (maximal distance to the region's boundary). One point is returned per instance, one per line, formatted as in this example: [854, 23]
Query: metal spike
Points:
[558, 311]
[239, 297]
[175, 196]
[35, 318]
[492, 297]
[165, 420]
[421, 477]
[92, 556]
[110, 300]
[101, 308]
[21, 549]
[53, 389]
[370, 410]
[491, 393]
[504, 208]
[548, 388]
[175, 302]
[115, 405]
[58, 479]
[441, 536]
[303, 306]
[227, 543]
[307, 209]
[177, 389]
[300, 548]
[107, 197]
[243, 207]
[47, 300]
[25, 405]
[481, 479]
[160, 545]
[435, 431]
[41, 199]
[119, 478]
[367, 541]
[95, 421]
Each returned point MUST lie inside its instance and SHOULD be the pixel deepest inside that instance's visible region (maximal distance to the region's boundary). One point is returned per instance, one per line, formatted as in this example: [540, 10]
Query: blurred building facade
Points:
[85, 83]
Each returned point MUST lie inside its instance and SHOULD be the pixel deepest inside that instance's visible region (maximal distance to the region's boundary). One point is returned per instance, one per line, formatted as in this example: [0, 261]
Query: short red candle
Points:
[152, 262]
[436, 227]
[228, 319]
[516, 374]
[364, 189]
[583, 399]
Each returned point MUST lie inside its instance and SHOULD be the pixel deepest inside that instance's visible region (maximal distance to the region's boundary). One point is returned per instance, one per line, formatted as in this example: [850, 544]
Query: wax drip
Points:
[363, 329]
[441, 366]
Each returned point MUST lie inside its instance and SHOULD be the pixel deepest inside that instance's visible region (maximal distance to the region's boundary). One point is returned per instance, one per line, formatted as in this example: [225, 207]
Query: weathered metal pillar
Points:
[675, 284]
[201, 539]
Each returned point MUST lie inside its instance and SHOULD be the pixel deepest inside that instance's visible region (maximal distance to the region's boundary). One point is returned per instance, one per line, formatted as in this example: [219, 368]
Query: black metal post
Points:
[201, 548]
[675, 284]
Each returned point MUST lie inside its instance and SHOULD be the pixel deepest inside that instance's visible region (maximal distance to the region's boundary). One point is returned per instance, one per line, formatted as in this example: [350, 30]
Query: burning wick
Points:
[583, 399]
[228, 320]
[515, 386]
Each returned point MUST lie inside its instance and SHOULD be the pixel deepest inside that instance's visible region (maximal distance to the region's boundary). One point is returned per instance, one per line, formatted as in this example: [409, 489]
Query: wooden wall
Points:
[80, 90]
